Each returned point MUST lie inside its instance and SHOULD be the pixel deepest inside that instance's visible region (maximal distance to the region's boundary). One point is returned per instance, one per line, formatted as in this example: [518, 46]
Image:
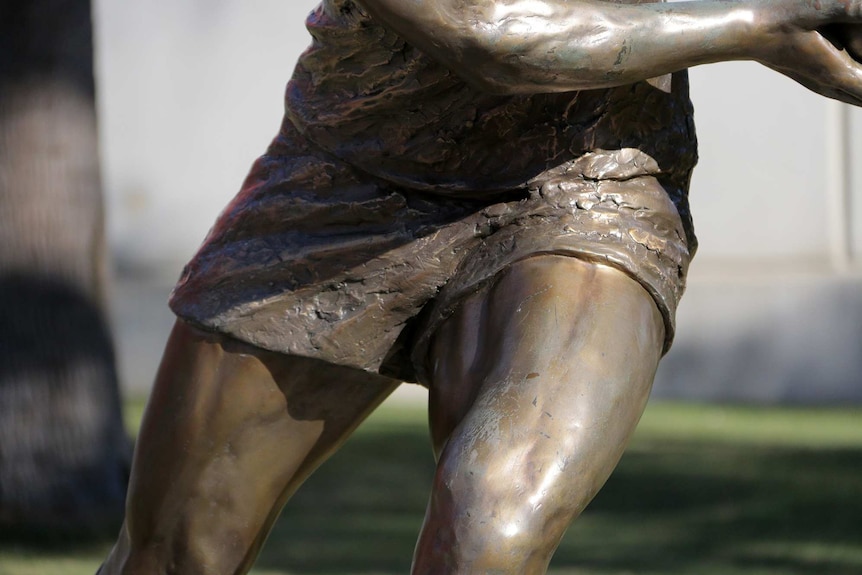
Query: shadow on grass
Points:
[361, 511]
[671, 507]
[680, 507]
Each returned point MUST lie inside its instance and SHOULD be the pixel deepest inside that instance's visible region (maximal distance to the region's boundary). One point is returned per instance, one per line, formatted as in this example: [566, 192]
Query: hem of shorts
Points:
[447, 303]
[438, 311]
[225, 332]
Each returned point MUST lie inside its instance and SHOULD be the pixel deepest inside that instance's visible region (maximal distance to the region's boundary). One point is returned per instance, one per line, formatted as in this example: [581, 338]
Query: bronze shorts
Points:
[315, 258]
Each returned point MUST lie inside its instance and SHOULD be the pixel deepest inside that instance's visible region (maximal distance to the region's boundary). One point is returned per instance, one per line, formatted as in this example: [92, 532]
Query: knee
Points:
[489, 521]
[128, 558]
[158, 562]
[186, 555]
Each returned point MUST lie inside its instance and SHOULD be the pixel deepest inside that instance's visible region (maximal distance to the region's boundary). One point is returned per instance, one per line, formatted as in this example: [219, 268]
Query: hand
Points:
[846, 36]
[820, 48]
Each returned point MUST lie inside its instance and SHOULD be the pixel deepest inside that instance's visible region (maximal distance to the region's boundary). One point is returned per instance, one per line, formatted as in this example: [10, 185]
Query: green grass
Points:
[702, 490]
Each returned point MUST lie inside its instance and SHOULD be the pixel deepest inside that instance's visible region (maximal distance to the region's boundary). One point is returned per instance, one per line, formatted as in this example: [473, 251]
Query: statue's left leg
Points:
[230, 432]
[537, 385]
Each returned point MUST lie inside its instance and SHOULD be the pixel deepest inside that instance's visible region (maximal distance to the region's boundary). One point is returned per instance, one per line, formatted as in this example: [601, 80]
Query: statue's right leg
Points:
[537, 383]
[230, 432]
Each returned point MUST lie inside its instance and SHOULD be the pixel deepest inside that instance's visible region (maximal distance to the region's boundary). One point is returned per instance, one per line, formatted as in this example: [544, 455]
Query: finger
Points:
[828, 91]
[846, 10]
[815, 14]
[818, 65]
[845, 37]
[844, 73]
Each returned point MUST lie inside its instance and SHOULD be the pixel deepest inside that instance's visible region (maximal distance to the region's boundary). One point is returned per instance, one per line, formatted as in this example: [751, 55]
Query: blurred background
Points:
[191, 92]
[750, 466]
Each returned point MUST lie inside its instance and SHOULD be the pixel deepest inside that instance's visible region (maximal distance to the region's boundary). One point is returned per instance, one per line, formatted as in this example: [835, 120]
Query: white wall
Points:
[773, 311]
[191, 93]
[854, 159]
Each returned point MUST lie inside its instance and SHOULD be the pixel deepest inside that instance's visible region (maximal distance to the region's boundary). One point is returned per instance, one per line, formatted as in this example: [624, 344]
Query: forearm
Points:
[555, 45]
[596, 45]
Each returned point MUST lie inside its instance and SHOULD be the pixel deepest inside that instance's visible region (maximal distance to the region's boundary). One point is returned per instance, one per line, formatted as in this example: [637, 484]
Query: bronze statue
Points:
[488, 197]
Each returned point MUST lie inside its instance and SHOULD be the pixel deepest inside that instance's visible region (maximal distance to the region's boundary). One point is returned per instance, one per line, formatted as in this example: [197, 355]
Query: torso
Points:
[365, 95]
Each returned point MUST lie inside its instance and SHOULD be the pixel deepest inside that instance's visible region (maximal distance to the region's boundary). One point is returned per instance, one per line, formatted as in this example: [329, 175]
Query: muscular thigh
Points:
[552, 326]
[538, 382]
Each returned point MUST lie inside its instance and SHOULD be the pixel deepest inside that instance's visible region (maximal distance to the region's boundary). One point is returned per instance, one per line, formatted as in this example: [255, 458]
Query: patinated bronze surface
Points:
[487, 197]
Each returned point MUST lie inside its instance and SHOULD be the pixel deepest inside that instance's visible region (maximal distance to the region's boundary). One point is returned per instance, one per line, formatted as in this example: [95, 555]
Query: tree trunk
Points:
[63, 450]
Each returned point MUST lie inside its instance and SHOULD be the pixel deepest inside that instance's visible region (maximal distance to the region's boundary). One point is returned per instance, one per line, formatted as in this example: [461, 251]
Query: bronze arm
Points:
[529, 46]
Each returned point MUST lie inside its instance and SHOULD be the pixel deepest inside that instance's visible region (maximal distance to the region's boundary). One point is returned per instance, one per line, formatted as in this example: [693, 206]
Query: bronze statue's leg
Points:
[229, 434]
[537, 385]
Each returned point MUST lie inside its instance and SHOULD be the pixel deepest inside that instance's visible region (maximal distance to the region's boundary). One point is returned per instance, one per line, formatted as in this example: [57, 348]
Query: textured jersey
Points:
[364, 94]
[378, 206]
